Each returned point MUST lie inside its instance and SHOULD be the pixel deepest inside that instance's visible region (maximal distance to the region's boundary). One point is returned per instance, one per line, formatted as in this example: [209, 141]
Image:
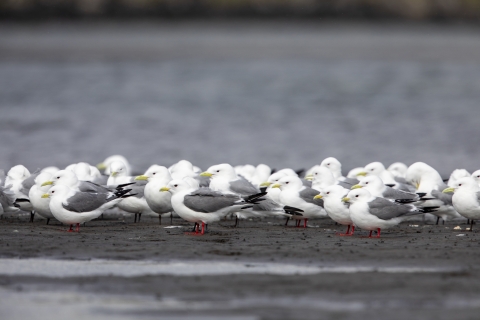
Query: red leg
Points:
[78, 227]
[353, 230]
[370, 235]
[203, 228]
[305, 223]
[378, 232]
[71, 228]
[346, 234]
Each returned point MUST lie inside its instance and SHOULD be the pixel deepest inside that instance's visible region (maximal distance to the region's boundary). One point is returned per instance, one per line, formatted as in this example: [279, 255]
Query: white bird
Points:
[118, 174]
[262, 172]
[466, 198]
[378, 169]
[353, 174]
[456, 175]
[274, 193]
[203, 206]
[371, 213]
[476, 176]
[295, 194]
[336, 167]
[377, 188]
[160, 202]
[337, 209]
[41, 205]
[429, 184]
[20, 181]
[72, 207]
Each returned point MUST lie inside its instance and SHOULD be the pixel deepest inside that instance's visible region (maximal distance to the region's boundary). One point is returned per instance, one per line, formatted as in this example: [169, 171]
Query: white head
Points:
[118, 169]
[476, 176]
[373, 169]
[18, 172]
[466, 183]
[333, 192]
[155, 172]
[262, 172]
[43, 177]
[82, 170]
[323, 175]
[289, 183]
[57, 191]
[223, 170]
[422, 175]
[372, 183]
[105, 164]
[182, 169]
[398, 169]
[353, 174]
[334, 165]
[51, 170]
[63, 177]
[456, 175]
[358, 195]
[177, 186]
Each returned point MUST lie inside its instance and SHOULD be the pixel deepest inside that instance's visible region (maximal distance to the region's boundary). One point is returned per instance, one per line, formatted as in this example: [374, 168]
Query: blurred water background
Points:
[286, 92]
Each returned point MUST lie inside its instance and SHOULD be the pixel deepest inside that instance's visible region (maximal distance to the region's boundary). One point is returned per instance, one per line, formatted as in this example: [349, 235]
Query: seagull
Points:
[323, 177]
[204, 206]
[262, 173]
[20, 180]
[429, 184]
[7, 200]
[73, 207]
[40, 204]
[456, 175]
[119, 174]
[336, 209]
[466, 198]
[476, 176]
[372, 213]
[336, 167]
[295, 194]
[377, 188]
[160, 202]
[398, 169]
[378, 169]
[274, 193]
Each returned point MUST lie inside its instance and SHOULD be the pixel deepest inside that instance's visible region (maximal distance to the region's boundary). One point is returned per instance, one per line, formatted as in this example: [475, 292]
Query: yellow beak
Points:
[309, 177]
[448, 190]
[265, 184]
[276, 185]
[318, 196]
[114, 173]
[206, 174]
[346, 199]
[142, 178]
[363, 174]
[47, 183]
[164, 189]
[45, 195]
[357, 186]
[101, 166]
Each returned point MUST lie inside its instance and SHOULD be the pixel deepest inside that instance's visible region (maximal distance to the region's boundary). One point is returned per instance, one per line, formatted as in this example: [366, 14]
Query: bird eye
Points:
[328, 164]
[356, 196]
[287, 182]
[154, 173]
[218, 170]
[371, 170]
[366, 182]
[53, 191]
[328, 192]
[176, 185]
[460, 185]
[58, 177]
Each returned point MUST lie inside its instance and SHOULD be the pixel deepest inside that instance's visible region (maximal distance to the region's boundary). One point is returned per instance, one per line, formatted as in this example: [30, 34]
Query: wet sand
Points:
[450, 290]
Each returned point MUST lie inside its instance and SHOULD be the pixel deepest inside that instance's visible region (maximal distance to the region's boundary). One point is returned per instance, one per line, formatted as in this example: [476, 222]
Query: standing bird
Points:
[295, 194]
[466, 198]
[105, 164]
[73, 207]
[160, 202]
[20, 180]
[40, 204]
[337, 209]
[377, 188]
[204, 206]
[371, 213]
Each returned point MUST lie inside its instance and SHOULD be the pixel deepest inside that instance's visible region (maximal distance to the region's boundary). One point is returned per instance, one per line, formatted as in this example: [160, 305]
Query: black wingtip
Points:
[390, 185]
[428, 209]
[300, 172]
[263, 189]
[421, 194]
[405, 201]
[121, 186]
[292, 211]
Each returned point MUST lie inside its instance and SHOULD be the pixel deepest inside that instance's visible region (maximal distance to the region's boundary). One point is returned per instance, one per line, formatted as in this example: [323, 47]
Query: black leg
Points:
[135, 221]
[171, 218]
[236, 221]
[195, 227]
[438, 219]
[286, 222]
[471, 225]
[101, 216]
[468, 221]
[443, 222]
[48, 221]
[206, 227]
[139, 216]
[32, 215]
[160, 219]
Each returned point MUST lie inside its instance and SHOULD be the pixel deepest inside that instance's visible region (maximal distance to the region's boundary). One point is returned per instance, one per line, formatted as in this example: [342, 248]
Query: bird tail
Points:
[292, 211]
[121, 186]
[255, 198]
[428, 209]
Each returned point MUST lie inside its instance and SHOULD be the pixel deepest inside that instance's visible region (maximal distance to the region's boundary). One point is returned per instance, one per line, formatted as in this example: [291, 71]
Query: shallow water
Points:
[284, 94]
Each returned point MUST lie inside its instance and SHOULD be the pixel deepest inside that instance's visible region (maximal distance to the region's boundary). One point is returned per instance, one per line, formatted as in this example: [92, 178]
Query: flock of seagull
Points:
[371, 198]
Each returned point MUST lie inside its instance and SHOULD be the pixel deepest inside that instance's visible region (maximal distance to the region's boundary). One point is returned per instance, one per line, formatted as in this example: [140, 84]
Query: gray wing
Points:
[478, 196]
[350, 181]
[203, 182]
[394, 194]
[206, 200]
[308, 194]
[86, 202]
[7, 197]
[400, 180]
[2, 177]
[385, 209]
[307, 183]
[87, 186]
[138, 190]
[29, 182]
[243, 187]
[444, 197]
[345, 185]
